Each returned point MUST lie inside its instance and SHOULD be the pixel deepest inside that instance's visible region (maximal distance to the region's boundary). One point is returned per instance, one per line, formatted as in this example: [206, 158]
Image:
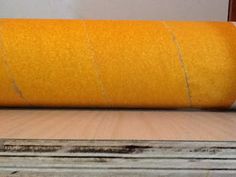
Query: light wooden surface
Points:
[117, 158]
[117, 124]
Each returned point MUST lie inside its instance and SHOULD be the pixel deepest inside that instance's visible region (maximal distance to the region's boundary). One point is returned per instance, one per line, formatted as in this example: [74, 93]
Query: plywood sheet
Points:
[117, 124]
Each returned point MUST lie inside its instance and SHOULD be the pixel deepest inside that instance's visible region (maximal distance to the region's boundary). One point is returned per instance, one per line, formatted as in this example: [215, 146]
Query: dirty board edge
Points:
[19, 157]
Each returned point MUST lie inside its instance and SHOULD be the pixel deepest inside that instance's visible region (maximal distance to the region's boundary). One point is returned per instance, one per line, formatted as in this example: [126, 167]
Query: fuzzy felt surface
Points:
[112, 63]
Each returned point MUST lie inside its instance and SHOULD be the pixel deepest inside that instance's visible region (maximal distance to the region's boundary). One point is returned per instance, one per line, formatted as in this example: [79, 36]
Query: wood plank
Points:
[117, 158]
[70, 163]
[122, 173]
[117, 124]
[119, 148]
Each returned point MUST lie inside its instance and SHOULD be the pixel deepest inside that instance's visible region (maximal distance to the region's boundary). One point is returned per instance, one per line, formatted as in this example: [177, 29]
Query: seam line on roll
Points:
[234, 104]
[181, 61]
[15, 86]
[95, 65]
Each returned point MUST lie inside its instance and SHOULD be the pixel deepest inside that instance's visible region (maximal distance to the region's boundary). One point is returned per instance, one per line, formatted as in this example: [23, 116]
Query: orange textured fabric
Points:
[106, 63]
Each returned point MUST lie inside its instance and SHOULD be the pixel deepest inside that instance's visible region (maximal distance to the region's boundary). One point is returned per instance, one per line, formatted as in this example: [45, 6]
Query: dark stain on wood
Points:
[29, 148]
[14, 172]
[129, 149]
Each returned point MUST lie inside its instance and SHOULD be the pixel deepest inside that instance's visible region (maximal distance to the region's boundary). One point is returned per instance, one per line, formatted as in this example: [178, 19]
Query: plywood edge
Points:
[117, 158]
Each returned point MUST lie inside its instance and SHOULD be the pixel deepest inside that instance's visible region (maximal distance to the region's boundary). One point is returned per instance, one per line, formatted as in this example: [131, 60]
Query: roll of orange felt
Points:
[88, 63]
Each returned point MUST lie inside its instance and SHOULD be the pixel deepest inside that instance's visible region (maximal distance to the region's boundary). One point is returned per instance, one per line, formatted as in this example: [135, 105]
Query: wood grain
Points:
[117, 158]
[117, 124]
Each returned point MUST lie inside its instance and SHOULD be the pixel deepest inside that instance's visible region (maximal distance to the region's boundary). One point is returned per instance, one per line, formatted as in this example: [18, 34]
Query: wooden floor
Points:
[117, 124]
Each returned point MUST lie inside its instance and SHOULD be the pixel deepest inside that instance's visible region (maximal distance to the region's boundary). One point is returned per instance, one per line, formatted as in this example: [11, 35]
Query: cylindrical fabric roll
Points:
[109, 63]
